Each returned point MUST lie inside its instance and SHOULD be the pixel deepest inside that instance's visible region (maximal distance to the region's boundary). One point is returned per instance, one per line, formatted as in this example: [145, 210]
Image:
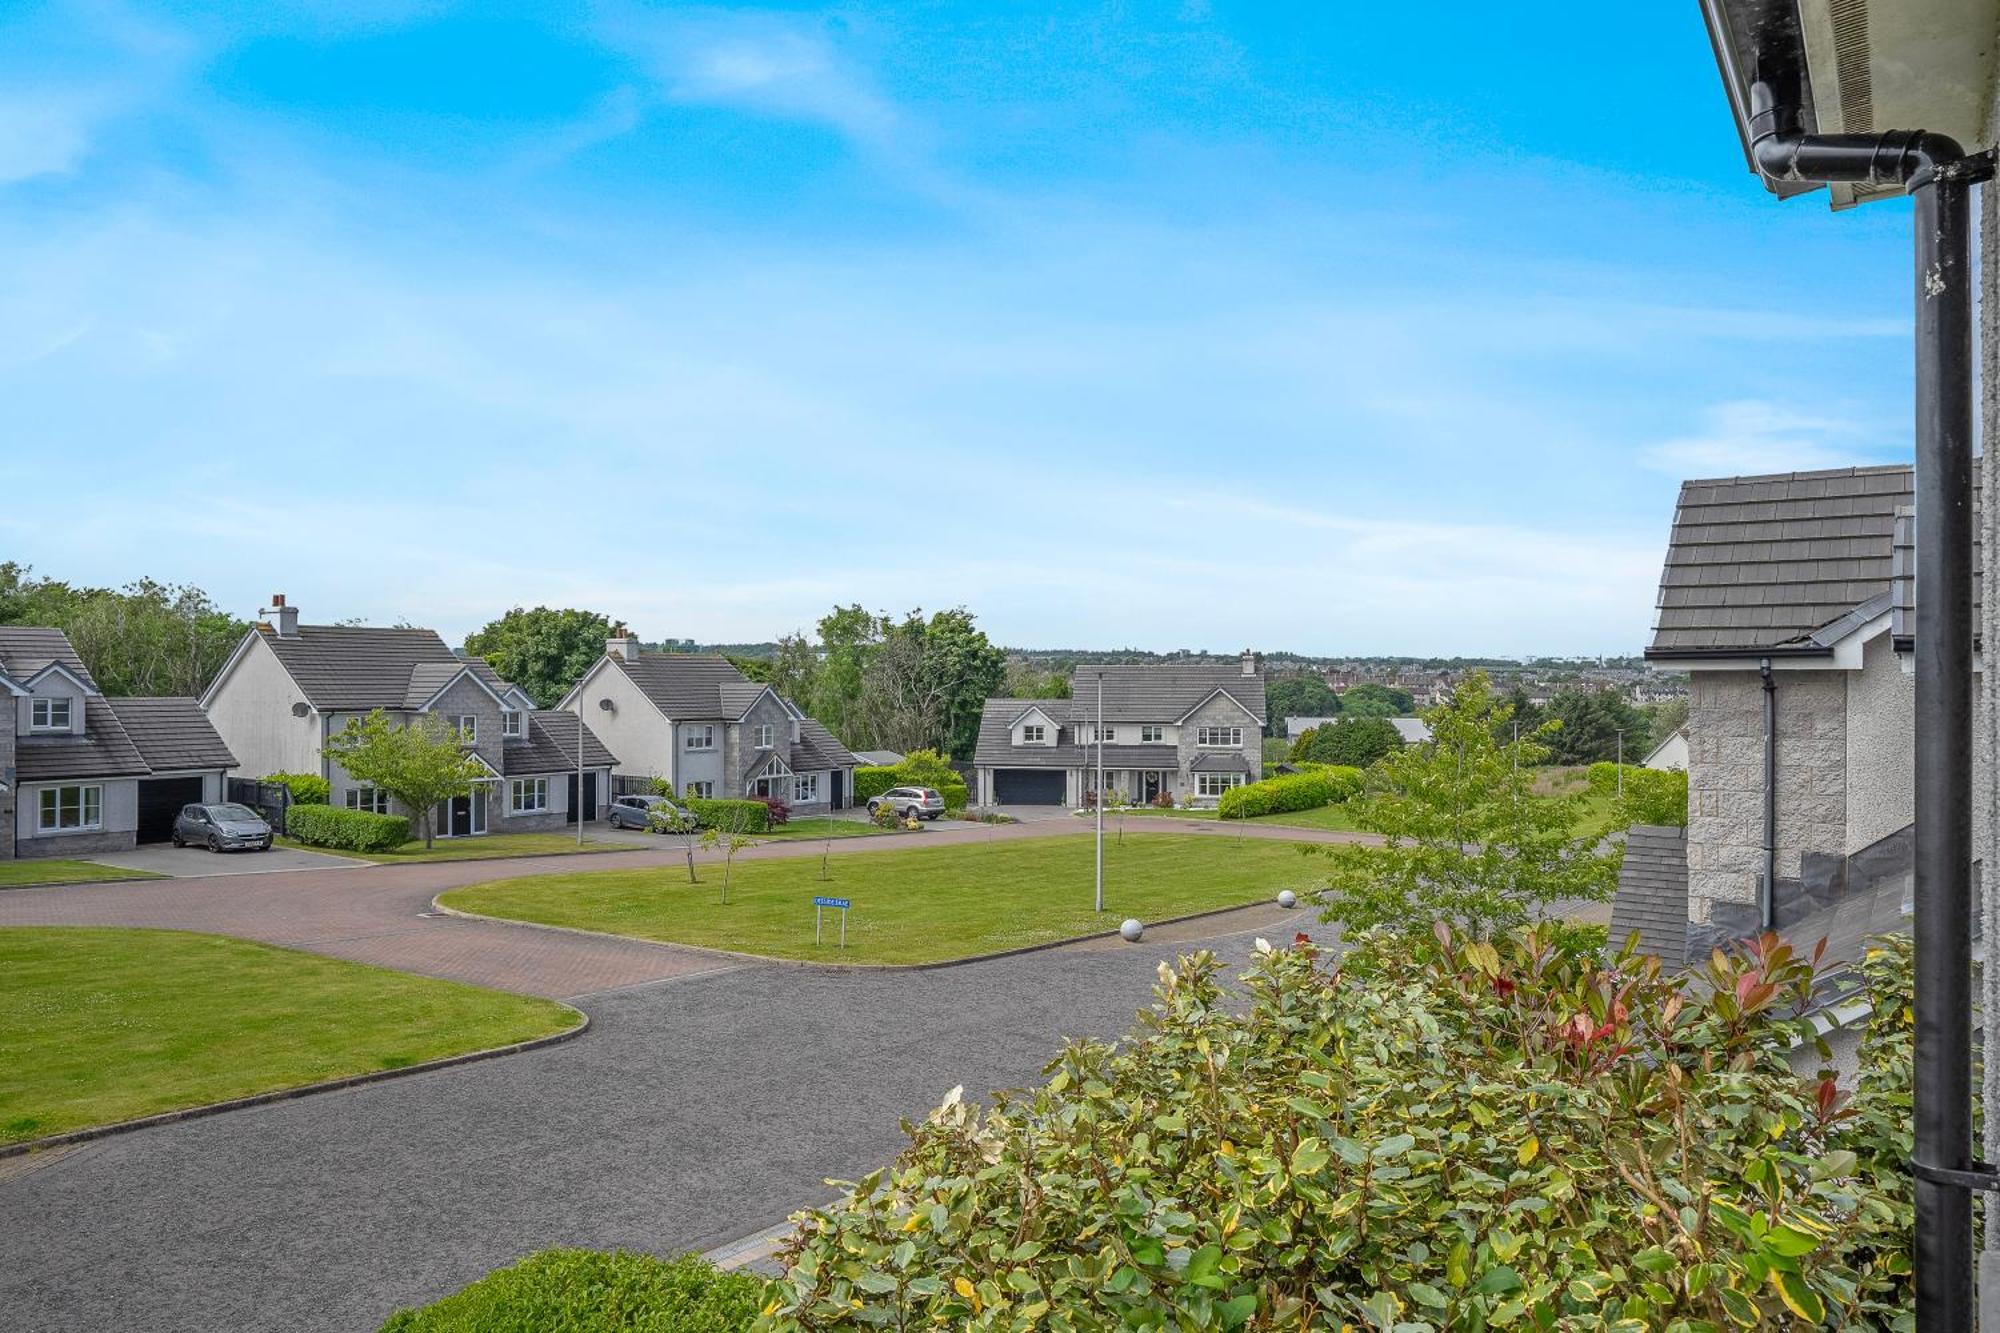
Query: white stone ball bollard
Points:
[1132, 929]
[1286, 898]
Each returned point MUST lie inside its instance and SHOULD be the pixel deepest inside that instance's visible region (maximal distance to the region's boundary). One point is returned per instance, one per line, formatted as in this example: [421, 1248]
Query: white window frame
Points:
[1218, 738]
[511, 722]
[1213, 785]
[700, 738]
[370, 800]
[468, 728]
[1033, 733]
[1151, 733]
[805, 788]
[767, 736]
[42, 713]
[88, 804]
[528, 796]
[703, 790]
[1107, 733]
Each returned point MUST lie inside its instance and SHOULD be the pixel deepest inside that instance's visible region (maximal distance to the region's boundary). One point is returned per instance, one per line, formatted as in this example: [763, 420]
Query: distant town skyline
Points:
[1143, 324]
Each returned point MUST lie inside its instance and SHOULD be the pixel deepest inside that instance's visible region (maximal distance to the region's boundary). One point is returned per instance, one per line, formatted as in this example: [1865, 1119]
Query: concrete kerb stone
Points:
[1044, 947]
[77, 1136]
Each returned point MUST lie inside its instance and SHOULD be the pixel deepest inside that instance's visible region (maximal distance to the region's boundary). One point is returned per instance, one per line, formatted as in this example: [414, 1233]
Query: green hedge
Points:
[1318, 786]
[743, 816]
[349, 830]
[922, 768]
[588, 1291]
[306, 788]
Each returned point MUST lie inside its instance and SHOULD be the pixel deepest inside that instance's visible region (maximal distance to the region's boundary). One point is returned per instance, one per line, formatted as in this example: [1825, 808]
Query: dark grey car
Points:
[223, 827]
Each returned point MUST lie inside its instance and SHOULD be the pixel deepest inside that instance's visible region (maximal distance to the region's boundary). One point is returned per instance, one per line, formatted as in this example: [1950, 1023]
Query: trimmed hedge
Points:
[589, 1291]
[751, 816]
[306, 788]
[1325, 785]
[925, 768]
[349, 830]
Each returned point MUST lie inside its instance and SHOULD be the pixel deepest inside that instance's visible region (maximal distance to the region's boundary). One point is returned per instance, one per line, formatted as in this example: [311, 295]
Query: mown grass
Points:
[920, 906]
[23, 874]
[487, 847]
[103, 1025]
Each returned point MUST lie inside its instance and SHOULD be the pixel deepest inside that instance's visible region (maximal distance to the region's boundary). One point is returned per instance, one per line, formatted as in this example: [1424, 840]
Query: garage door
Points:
[1028, 786]
[160, 799]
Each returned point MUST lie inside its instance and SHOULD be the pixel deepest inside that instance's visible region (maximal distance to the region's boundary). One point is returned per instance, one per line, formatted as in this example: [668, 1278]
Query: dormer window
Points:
[1033, 734]
[51, 714]
[767, 736]
[510, 722]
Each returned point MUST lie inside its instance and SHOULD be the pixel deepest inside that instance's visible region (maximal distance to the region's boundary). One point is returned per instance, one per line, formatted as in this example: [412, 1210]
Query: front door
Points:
[458, 819]
[1151, 786]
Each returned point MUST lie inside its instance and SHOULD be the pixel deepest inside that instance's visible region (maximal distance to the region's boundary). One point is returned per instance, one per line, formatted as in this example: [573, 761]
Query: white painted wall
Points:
[251, 709]
[632, 728]
[53, 687]
[1881, 747]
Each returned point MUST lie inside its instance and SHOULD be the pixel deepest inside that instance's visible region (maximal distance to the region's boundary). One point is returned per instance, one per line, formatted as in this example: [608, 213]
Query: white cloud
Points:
[42, 135]
[1754, 435]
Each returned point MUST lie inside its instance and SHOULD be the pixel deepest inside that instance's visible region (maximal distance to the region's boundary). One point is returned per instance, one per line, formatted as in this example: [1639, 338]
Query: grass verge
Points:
[925, 905]
[820, 828]
[103, 1025]
[24, 874]
[485, 848]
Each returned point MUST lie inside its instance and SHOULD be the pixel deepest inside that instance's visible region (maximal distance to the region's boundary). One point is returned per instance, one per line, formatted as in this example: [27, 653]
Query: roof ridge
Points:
[1814, 474]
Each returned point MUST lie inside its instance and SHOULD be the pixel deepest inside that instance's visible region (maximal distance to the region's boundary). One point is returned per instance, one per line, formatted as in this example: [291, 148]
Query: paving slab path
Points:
[698, 1109]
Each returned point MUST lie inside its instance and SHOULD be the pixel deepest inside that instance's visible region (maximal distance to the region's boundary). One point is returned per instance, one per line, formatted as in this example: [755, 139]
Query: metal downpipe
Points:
[1767, 892]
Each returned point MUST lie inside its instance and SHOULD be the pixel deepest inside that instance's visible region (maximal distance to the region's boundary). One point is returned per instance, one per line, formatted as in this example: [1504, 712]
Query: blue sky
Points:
[1180, 324]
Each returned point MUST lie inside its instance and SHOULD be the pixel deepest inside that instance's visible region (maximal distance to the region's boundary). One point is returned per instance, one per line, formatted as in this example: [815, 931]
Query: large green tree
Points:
[145, 638]
[1297, 696]
[420, 765]
[542, 649]
[1025, 680]
[1370, 699]
[1357, 741]
[1591, 721]
[1466, 839]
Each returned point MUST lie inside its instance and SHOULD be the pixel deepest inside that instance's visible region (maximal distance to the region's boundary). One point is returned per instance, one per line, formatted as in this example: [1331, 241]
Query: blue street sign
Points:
[830, 902]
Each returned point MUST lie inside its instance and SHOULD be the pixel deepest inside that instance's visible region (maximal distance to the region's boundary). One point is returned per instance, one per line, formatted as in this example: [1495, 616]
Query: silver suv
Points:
[923, 802]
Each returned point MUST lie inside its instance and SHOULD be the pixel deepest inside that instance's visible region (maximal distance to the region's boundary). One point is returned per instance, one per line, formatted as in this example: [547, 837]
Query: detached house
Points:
[289, 687]
[1180, 729]
[1787, 599]
[83, 774]
[697, 722]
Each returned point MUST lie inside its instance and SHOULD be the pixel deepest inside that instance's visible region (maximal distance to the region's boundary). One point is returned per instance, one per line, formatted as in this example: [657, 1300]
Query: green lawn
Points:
[20, 874]
[818, 829]
[918, 906]
[1327, 816]
[484, 848]
[98, 1026]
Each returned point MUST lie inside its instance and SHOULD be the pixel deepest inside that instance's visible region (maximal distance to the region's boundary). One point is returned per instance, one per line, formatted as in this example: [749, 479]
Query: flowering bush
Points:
[1457, 1134]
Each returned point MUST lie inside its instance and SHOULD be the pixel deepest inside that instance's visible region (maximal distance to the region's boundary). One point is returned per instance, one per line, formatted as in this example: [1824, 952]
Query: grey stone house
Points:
[1779, 598]
[82, 774]
[288, 687]
[697, 722]
[1185, 730]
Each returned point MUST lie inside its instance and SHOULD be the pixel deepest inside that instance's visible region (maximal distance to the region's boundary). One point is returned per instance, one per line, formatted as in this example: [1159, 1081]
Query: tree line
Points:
[146, 638]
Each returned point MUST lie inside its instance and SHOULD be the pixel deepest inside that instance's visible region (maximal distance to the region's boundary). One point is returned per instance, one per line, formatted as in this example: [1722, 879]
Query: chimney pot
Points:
[277, 599]
[622, 646]
[287, 617]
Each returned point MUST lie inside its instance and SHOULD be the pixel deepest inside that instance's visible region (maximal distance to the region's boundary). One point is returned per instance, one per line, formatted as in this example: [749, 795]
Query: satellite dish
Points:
[300, 709]
[605, 704]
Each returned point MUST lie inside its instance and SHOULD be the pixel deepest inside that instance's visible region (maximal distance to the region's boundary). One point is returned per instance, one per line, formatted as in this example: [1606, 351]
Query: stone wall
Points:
[7, 781]
[1726, 782]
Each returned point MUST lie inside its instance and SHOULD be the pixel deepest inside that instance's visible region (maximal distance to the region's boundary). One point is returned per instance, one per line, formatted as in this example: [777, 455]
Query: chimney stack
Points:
[287, 616]
[622, 646]
[1249, 662]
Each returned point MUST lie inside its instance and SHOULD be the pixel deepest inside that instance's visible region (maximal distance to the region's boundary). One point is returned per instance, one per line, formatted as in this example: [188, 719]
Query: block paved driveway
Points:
[698, 1109]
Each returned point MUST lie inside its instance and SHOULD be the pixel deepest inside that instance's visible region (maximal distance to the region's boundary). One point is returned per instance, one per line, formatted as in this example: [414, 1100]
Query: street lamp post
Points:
[1100, 789]
[579, 768]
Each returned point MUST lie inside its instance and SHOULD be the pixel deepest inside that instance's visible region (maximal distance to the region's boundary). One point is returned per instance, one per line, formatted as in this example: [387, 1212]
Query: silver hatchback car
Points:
[923, 802]
[225, 827]
[646, 812]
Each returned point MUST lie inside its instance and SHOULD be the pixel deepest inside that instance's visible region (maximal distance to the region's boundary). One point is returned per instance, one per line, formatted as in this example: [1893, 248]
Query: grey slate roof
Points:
[996, 750]
[1903, 568]
[103, 751]
[26, 649]
[427, 678]
[549, 746]
[353, 668]
[696, 686]
[817, 748]
[1219, 761]
[1759, 563]
[171, 735]
[1139, 692]
[1652, 895]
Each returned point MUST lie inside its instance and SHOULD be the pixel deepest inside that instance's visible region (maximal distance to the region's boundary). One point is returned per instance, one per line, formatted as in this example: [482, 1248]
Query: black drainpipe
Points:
[1938, 176]
[1767, 896]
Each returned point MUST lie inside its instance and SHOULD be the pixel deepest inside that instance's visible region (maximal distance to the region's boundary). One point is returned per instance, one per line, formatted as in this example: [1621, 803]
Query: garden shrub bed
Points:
[922, 768]
[346, 830]
[592, 1291]
[1323, 784]
[1437, 1134]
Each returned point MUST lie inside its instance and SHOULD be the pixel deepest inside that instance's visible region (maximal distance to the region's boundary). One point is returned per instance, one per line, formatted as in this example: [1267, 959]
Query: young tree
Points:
[420, 765]
[729, 833]
[676, 821]
[542, 650]
[1467, 840]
